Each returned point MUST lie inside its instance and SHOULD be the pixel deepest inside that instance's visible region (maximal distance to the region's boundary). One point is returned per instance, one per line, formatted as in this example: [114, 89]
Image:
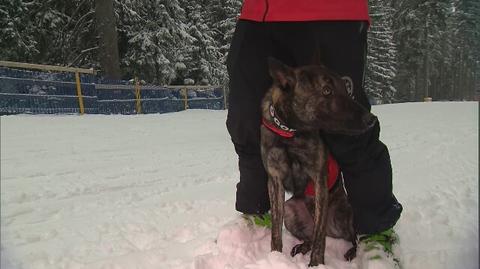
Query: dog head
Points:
[313, 97]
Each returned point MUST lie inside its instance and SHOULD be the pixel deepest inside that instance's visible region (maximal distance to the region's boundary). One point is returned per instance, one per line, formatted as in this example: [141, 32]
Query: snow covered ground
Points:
[157, 191]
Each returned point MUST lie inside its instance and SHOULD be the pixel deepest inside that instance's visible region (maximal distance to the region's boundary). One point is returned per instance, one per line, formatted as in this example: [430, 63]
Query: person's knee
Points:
[369, 221]
[243, 126]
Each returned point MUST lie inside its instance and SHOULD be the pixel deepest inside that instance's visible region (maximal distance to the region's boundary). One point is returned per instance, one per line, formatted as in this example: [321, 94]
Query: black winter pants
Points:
[363, 159]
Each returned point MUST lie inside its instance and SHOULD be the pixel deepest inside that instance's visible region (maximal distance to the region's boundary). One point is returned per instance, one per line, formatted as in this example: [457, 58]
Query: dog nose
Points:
[369, 120]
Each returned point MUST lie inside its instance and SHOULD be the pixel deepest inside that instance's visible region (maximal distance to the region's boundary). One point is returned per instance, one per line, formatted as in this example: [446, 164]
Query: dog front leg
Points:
[319, 220]
[277, 199]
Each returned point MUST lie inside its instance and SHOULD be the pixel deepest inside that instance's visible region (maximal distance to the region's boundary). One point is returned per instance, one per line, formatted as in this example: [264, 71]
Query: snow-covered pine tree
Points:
[210, 25]
[155, 35]
[420, 28]
[465, 35]
[407, 36]
[156, 39]
[201, 53]
[75, 41]
[52, 32]
[222, 20]
[436, 14]
[381, 59]
[17, 42]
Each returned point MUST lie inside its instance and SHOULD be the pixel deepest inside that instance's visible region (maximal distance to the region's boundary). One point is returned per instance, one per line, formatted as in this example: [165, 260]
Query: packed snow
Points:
[157, 191]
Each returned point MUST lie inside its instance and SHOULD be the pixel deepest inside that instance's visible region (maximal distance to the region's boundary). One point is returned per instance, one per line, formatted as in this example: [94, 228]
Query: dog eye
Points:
[327, 91]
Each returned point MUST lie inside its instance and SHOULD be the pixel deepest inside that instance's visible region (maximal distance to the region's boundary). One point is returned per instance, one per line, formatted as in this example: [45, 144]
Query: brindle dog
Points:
[302, 103]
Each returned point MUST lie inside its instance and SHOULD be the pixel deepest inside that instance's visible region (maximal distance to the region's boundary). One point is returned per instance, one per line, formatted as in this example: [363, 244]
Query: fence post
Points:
[79, 93]
[185, 98]
[137, 96]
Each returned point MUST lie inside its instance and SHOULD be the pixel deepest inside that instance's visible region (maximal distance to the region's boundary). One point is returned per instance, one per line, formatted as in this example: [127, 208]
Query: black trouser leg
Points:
[365, 164]
[249, 80]
[364, 159]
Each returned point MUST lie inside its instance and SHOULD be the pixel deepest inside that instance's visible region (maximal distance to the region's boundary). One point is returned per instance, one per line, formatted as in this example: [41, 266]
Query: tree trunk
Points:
[108, 44]
[426, 61]
[418, 85]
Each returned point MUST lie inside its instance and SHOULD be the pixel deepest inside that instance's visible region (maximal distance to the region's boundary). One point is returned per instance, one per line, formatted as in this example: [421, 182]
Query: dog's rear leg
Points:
[319, 220]
[277, 199]
[299, 222]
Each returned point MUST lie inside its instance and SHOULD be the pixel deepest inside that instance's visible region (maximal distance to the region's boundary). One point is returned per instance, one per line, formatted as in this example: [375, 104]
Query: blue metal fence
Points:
[35, 92]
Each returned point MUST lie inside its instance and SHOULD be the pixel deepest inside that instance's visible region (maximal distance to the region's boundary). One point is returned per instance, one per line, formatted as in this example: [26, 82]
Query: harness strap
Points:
[333, 171]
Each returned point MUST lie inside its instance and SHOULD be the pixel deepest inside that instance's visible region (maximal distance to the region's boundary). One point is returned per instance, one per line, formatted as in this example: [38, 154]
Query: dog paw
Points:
[301, 248]
[351, 254]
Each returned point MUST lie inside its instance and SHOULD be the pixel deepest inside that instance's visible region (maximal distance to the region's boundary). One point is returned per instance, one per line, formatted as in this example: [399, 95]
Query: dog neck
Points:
[276, 125]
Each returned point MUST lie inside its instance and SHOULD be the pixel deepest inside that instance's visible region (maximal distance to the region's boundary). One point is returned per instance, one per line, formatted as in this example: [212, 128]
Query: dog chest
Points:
[294, 161]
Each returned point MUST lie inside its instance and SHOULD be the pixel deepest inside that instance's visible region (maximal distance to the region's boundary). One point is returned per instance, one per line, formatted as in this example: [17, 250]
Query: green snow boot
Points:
[264, 220]
[379, 250]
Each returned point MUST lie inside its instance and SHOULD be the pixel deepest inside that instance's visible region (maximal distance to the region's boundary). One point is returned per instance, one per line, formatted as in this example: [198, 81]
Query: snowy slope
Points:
[157, 191]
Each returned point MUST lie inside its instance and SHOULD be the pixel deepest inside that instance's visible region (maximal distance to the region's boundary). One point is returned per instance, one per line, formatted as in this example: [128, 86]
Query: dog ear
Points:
[282, 74]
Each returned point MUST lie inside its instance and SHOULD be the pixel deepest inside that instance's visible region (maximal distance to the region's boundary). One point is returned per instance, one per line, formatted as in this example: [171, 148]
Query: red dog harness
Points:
[282, 130]
[333, 171]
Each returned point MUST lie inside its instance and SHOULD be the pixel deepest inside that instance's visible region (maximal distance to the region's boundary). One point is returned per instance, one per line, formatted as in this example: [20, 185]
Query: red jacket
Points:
[304, 10]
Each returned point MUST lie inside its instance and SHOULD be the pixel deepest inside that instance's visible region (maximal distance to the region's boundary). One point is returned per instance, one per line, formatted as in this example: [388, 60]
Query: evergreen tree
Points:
[223, 18]
[201, 50]
[381, 59]
[155, 34]
[421, 27]
[416, 47]
[54, 32]
[210, 25]
[17, 42]
[407, 36]
[466, 40]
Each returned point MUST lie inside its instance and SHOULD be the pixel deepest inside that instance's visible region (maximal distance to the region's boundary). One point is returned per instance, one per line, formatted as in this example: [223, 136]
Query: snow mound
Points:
[243, 246]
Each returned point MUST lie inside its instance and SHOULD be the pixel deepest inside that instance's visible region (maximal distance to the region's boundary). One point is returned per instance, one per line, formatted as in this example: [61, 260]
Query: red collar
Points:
[278, 131]
[277, 126]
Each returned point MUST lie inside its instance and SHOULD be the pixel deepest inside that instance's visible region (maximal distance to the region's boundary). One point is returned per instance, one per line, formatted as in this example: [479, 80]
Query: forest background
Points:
[417, 48]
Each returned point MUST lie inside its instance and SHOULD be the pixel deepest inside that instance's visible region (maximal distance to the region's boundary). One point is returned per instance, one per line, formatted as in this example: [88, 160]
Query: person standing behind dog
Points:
[299, 33]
